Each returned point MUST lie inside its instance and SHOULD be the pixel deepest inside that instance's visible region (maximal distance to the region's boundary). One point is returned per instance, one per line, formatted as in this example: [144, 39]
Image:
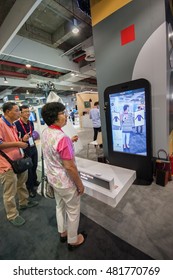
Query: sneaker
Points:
[32, 194]
[30, 204]
[37, 183]
[18, 221]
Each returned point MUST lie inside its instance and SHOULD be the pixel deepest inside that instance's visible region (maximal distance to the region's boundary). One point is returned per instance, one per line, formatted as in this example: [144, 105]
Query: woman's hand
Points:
[73, 173]
[74, 138]
[80, 190]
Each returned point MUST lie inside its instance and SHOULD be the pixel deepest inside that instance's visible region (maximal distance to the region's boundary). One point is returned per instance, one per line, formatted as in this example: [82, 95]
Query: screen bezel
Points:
[141, 163]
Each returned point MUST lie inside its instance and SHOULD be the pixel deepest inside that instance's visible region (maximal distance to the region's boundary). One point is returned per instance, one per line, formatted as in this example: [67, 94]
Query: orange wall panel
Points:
[100, 9]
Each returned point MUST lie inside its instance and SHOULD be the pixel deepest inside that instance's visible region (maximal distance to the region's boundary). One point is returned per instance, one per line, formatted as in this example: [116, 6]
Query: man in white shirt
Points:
[95, 116]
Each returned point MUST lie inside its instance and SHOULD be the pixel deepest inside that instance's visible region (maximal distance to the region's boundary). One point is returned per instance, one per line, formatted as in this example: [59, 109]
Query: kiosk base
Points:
[113, 181]
[143, 182]
[123, 178]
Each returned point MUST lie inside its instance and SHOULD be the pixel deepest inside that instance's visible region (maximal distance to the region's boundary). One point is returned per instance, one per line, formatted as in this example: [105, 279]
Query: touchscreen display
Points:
[128, 121]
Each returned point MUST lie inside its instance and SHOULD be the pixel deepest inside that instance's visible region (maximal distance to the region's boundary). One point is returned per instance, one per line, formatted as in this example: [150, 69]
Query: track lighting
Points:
[5, 80]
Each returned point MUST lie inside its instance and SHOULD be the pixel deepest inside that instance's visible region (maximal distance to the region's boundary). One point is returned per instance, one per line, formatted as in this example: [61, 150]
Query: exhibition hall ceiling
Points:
[39, 33]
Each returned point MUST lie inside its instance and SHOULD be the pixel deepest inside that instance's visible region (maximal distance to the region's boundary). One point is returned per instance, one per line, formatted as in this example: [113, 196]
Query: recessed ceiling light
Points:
[75, 30]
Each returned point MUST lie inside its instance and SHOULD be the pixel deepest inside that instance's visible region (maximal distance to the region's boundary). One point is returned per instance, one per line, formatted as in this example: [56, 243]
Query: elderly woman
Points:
[62, 173]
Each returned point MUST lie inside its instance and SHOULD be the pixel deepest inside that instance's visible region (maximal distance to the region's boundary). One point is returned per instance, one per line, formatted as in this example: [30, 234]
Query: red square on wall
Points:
[128, 35]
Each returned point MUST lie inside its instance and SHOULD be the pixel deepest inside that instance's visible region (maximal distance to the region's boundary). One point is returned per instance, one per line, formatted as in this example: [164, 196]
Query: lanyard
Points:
[24, 129]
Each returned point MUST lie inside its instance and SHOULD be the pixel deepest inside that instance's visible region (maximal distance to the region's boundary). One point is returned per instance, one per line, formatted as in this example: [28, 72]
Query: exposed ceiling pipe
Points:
[17, 65]
[80, 58]
[14, 74]
[77, 47]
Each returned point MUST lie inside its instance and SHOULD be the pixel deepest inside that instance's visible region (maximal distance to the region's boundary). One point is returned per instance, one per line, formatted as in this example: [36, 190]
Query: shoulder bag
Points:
[19, 165]
[163, 165]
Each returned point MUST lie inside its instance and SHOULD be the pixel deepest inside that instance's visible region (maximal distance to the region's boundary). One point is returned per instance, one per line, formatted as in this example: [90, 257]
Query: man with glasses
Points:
[13, 184]
[25, 129]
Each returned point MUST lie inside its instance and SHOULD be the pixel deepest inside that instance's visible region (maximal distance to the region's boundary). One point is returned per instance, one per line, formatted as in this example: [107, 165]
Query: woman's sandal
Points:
[63, 239]
[73, 247]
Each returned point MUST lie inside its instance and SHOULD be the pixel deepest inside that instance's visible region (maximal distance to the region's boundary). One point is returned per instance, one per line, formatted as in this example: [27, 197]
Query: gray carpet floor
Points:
[38, 239]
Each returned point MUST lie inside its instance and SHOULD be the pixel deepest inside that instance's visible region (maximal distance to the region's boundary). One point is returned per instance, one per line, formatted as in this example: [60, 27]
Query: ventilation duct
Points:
[90, 56]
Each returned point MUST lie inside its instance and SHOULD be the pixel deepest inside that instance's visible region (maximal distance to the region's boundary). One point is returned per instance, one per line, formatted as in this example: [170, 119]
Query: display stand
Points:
[113, 181]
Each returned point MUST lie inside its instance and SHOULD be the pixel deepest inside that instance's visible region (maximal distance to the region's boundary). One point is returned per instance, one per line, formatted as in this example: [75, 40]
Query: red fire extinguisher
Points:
[171, 161]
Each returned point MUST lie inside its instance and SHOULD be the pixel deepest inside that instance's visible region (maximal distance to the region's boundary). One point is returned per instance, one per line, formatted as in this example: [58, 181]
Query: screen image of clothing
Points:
[139, 118]
[127, 122]
[139, 121]
[127, 126]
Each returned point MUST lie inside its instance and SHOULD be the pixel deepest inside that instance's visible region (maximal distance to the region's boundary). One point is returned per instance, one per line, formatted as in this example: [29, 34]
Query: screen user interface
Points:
[128, 121]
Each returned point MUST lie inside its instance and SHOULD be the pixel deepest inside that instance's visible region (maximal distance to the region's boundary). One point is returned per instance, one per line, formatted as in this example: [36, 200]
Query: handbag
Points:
[45, 189]
[163, 164]
[19, 165]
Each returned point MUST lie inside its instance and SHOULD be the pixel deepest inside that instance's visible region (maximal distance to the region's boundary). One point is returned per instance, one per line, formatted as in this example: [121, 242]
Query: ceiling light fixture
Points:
[75, 28]
[27, 91]
[28, 65]
[74, 74]
[5, 80]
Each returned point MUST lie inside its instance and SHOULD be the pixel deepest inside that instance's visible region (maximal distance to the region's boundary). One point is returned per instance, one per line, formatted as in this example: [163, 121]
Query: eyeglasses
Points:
[28, 112]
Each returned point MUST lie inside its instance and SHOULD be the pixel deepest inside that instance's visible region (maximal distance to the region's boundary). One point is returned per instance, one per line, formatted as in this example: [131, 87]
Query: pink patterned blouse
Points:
[57, 147]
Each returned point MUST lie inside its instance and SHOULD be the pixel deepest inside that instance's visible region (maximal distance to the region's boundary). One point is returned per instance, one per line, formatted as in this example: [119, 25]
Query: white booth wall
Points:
[90, 98]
